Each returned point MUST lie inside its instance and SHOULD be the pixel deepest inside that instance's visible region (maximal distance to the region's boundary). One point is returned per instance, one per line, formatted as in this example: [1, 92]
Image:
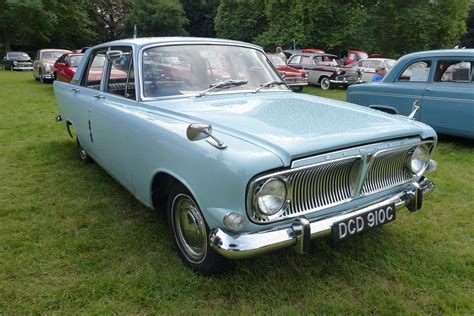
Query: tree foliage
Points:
[240, 19]
[201, 15]
[468, 39]
[157, 18]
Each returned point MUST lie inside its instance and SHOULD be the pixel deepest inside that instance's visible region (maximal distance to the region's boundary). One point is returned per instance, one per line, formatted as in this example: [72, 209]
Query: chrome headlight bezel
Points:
[259, 193]
[418, 159]
[339, 71]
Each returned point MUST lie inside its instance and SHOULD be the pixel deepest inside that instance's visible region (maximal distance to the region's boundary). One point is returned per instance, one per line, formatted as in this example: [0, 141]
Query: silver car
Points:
[43, 66]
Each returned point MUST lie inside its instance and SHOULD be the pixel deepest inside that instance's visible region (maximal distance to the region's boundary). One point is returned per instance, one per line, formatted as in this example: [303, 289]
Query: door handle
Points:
[429, 89]
[99, 96]
[76, 90]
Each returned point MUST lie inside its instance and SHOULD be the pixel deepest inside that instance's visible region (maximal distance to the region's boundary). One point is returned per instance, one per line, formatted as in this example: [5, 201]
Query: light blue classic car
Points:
[440, 82]
[207, 130]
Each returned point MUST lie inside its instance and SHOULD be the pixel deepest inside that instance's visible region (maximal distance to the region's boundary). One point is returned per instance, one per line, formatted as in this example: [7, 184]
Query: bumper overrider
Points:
[301, 231]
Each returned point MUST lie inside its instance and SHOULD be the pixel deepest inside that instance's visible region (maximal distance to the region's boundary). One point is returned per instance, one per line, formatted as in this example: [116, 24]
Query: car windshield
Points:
[18, 55]
[362, 55]
[51, 54]
[75, 60]
[183, 70]
[276, 60]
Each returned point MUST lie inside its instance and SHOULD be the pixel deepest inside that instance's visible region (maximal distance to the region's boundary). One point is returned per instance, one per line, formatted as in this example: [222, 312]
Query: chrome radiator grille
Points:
[320, 182]
[323, 185]
[386, 169]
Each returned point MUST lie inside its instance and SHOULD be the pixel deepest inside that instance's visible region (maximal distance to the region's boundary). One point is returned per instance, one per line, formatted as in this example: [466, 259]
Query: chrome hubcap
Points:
[190, 228]
[325, 84]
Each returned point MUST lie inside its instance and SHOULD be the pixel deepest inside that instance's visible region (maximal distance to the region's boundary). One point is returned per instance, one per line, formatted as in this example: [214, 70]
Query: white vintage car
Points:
[43, 66]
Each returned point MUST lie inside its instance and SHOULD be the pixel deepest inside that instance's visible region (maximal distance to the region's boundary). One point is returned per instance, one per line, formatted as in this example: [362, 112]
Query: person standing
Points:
[280, 53]
[380, 72]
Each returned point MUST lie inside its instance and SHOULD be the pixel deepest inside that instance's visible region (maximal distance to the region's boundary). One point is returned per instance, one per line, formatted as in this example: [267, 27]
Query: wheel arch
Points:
[383, 108]
[160, 187]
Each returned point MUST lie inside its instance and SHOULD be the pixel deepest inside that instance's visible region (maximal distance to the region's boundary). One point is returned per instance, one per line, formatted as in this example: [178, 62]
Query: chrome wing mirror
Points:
[414, 109]
[114, 55]
[198, 131]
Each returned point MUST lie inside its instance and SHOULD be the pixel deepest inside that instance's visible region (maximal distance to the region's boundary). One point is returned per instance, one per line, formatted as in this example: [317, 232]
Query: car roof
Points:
[441, 53]
[145, 41]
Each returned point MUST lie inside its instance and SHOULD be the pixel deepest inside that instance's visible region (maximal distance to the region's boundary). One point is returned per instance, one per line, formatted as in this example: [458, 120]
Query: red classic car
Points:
[353, 56]
[66, 65]
[294, 78]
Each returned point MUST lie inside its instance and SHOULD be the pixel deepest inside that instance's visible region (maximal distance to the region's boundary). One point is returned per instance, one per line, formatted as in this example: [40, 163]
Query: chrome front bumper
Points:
[300, 232]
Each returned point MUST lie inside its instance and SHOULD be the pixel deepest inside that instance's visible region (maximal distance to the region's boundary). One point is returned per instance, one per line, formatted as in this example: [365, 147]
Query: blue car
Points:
[207, 131]
[441, 82]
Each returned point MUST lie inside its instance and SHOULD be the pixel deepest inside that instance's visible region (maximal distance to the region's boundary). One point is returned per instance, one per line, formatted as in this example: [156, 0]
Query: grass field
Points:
[73, 241]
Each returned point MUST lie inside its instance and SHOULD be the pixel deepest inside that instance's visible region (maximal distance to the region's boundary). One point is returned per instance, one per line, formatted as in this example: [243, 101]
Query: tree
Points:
[157, 18]
[201, 15]
[72, 26]
[24, 22]
[468, 39]
[240, 19]
[109, 18]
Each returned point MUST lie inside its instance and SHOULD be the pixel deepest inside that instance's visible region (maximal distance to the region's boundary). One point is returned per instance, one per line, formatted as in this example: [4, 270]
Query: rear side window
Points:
[121, 77]
[416, 72]
[453, 71]
[95, 71]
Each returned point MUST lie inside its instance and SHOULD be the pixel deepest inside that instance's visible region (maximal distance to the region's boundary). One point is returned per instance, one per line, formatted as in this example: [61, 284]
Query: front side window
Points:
[121, 79]
[182, 70]
[96, 68]
[417, 71]
[453, 71]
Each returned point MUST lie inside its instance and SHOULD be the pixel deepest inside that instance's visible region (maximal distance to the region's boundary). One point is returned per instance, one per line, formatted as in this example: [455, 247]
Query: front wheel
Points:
[325, 84]
[191, 234]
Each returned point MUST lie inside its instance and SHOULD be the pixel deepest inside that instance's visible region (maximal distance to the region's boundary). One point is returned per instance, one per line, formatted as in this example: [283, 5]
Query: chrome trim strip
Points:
[238, 246]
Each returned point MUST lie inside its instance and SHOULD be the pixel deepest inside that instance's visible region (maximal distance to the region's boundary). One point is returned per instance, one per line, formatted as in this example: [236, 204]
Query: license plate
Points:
[362, 222]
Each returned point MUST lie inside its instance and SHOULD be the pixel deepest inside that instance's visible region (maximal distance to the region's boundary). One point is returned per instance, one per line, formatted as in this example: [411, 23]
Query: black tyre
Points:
[297, 89]
[191, 234]
[325, 83]
[83, 154]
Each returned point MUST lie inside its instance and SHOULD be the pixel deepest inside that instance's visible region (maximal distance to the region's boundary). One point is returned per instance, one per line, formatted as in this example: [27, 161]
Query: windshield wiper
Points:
[222, 85]
[269, 84]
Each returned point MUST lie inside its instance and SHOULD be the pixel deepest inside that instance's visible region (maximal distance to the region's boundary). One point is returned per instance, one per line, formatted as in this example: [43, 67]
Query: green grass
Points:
[72, 240]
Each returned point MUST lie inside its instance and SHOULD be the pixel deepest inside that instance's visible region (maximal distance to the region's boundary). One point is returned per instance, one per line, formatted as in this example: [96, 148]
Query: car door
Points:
[60, 67]
[408, 86]
[110, 119]
[448, 101]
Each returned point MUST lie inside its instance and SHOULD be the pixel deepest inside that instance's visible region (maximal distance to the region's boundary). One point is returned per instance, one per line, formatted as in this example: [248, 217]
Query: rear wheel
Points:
[191, 234]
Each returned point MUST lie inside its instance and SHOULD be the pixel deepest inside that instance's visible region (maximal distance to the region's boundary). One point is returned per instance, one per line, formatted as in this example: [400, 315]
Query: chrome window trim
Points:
[365, 152]
[178, 43]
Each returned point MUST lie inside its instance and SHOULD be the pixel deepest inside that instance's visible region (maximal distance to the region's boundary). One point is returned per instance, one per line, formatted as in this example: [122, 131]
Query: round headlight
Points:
[419, 159]
[339, 71]
[15, 62]
[272, 196]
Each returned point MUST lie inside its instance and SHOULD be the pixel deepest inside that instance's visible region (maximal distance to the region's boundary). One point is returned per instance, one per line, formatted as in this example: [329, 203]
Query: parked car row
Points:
[48, 65]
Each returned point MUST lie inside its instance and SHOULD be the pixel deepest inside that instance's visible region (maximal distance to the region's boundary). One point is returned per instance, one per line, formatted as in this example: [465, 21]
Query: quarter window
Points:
[417, 72]
[453, 71]
[96, 68]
